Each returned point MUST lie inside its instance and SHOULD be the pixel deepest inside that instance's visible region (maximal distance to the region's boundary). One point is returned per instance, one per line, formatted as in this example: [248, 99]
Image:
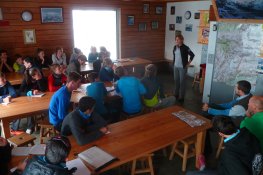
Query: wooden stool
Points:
[188, 150]
[22, 140]
[196, 79]
[146, 165]
[220, 147]
[46, 131]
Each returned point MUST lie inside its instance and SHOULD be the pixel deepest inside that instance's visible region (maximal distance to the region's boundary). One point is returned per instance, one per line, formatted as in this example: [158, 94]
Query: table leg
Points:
[200, 145]
[5, 131]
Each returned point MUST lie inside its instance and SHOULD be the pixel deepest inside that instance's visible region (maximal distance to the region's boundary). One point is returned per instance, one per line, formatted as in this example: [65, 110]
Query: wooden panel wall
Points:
[149, 44]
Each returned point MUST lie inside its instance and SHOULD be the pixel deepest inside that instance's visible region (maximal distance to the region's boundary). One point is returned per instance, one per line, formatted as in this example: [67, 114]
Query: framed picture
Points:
[178, 32]
[155, 24]
[189, 27]
[146, 8]
[130, 20]
[51, 14]
[171, 27]
[29, 36]
[172, 11]
[179, 19]
[142, 27]
[159, 10]
[197, 15]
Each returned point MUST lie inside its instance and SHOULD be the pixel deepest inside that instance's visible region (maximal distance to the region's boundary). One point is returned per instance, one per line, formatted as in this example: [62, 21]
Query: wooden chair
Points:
[196, 79]
[220, 147]
[145, 164]
[188, 150]
[23, 139]
[46, 131]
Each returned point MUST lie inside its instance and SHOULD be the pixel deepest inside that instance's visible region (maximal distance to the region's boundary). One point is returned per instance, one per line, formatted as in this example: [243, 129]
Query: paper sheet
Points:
[20, 151]
[38, 149]
[96, 157]
[81, 167]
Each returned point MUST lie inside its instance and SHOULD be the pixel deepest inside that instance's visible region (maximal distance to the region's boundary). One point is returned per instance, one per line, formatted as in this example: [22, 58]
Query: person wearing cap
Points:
[83, 123]
[54, 161]
[75, 65]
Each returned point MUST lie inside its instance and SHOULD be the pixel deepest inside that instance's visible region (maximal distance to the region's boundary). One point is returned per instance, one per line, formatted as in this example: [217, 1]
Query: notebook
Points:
[39, 95]
[97, 158]
[81, 167]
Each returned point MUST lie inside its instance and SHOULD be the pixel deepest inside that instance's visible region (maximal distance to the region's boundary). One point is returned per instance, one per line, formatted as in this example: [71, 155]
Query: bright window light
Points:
[95, 28]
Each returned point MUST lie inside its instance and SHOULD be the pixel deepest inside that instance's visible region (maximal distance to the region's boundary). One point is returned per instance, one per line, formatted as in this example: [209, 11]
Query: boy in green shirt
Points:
[254, 120]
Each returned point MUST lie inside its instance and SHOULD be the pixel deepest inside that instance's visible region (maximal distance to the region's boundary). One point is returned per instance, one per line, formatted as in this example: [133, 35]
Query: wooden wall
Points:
[149, 44]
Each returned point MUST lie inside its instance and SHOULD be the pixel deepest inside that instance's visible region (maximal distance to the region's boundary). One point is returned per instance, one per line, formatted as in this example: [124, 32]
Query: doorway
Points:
[96, 28]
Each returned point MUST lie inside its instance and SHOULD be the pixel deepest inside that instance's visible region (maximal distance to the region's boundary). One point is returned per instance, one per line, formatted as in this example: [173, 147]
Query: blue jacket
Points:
[98, 91]
[131, 90]
[7, 90]
[107, 75]
[59, 104]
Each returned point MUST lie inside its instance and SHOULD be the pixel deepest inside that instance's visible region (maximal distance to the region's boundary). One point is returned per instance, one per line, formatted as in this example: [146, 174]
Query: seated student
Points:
[103, 53]
[59, 57]
[85, 124]
[60, 101]
[75, 66]
[254, 118]
[131, 90]
[33, 84]
[4, 67]
[18, 66]
[236, 107]
[74, 56]
[240, 148]
[54, 161]
[6, 90]
[154, 96]
[107, 72]
[5, 156]
[97, 91]
[40, 61]
[93, 55]
[56, 79]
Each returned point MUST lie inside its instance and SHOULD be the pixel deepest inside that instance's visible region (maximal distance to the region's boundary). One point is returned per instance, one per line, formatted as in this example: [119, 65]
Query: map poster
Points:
[236, 58]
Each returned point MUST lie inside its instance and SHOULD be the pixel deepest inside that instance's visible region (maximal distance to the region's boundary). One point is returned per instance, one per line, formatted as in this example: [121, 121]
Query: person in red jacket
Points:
[56, 79]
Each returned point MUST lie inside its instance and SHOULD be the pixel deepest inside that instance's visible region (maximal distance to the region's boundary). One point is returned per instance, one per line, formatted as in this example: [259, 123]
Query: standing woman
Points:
[181, 61]
[59, 57]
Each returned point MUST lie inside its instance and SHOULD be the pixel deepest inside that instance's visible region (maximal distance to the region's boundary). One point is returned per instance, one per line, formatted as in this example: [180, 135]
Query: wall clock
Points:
[187, 15]
[26, 16]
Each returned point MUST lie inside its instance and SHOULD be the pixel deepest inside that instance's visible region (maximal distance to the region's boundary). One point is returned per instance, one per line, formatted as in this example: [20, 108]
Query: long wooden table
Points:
[133, 138]
[27, 106]
[22, 107]
[136, 137]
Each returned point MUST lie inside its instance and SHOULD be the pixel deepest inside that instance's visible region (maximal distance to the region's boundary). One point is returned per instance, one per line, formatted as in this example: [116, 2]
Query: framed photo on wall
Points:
[51, 15]
[130, 20]
[159, 10]
[29, 36]
[142, 27]
[172, 11]
[146, 8]
[171, 27]
[155, 25]
[179, 19]
[197, 15]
